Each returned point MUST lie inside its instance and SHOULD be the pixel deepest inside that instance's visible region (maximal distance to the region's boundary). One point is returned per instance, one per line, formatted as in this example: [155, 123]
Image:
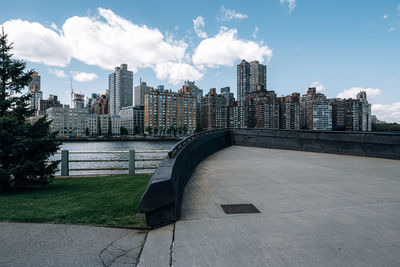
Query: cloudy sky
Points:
[339, 46]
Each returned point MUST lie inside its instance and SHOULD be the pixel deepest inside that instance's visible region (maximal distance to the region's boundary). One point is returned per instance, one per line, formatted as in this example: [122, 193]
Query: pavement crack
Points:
[109, 245]
[123, 254]
[171, 248]
[141, 250]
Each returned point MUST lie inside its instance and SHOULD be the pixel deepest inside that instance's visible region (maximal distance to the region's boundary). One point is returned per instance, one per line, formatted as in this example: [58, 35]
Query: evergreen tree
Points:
[24, 147]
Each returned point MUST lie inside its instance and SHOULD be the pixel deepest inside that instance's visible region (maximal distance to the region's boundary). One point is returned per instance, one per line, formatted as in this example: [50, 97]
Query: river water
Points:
[93, 146]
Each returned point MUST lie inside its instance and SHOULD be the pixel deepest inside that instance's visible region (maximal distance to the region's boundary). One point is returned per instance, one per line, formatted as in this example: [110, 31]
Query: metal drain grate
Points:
[239, 208]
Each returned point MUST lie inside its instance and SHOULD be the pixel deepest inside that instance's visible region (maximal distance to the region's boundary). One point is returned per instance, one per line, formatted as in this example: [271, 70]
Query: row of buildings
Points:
[258, 107]
[145, 107]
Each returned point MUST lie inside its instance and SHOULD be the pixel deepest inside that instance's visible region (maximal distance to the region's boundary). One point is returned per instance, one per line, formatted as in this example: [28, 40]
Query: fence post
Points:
[132, 161]
[64, 163]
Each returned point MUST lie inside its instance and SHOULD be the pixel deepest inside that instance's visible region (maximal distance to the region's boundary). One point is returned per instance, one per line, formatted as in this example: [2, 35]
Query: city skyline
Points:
[336, 46]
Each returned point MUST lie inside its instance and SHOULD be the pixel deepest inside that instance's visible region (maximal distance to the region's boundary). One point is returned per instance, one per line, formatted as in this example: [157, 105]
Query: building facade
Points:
[68, 121]
[78, 101]
[233, 115]
[322, 117]
[101, 105]
[307, 103]
[213, 111]
[44, 104]
[93, 124]
[226, 92]
[164, 109]
[289, 112]
[120, 84]
[132, 118]
[140, 91]
[262, 110]
[34, 90]
[258, 76]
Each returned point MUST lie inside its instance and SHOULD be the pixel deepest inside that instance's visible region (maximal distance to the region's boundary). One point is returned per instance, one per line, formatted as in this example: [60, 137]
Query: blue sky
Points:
[340, 46]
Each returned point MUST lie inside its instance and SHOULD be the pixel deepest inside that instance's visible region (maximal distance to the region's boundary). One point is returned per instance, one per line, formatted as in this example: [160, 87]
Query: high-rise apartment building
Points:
[243, 82]
[34, 90]
[197, 93]
[307, 102]
[262, 110]
[258, 76]
[213, 111]
[140, 91]
[163, 109]
[366, 119]
[289, 112]
[251, 77]
[44, 104]
[120, 84]
[101, 105]
[234, 115]
[226, 92]
[322, 117]
[91, 100]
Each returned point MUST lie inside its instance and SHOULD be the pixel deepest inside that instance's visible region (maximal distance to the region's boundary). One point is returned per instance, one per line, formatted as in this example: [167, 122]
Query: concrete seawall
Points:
[380, 145]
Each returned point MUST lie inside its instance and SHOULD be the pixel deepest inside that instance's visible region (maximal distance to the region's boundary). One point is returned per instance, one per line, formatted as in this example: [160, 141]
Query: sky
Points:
[338, 46]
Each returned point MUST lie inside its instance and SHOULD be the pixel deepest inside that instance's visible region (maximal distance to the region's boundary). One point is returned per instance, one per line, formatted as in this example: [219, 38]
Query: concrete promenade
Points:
[316, 210]
[31, 244]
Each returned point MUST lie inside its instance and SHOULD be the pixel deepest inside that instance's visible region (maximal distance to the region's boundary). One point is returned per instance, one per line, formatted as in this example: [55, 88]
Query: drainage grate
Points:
[239, 208]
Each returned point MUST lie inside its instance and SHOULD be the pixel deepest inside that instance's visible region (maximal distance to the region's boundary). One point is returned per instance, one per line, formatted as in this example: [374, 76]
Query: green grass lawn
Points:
[105, 201]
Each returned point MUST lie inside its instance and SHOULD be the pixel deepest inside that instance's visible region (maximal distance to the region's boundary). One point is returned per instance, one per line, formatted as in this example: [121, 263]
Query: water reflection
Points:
[113, 146]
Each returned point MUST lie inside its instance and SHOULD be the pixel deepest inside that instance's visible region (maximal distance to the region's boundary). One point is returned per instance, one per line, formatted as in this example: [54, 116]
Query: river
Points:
[93, 146]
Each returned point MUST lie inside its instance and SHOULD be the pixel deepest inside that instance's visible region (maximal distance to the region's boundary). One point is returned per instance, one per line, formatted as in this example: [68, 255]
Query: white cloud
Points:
[291, 4]
[59, 73]
[319, 86]
[198, 26]
[105, 40]
[229, 14]
[84, 77]
[353, 91]
[391, 29]
[389, 113]
[176, 72]
[385, 16]
[225, 48]
[255, 32]
[36, 43]
[108, 40]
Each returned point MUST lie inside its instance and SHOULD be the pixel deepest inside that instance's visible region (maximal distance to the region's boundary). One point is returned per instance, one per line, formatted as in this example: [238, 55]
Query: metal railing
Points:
[131, 167]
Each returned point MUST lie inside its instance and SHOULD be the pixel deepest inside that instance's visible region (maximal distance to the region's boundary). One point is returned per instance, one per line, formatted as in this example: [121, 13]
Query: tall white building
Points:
[120, 84]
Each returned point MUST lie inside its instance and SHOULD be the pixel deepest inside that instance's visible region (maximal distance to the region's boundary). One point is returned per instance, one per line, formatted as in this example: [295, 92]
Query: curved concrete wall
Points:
[380, 145]
[163, 196]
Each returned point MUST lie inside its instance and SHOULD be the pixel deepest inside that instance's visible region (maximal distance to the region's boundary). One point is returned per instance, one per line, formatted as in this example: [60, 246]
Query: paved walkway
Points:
[29, 244]
[316, 210]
